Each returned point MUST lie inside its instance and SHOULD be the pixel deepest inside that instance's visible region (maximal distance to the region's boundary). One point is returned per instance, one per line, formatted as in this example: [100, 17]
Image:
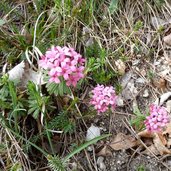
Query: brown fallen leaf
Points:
[162, 138]
[122, 141]
[167, 39]
[169, 142]
[159, 83]
[146, 134]
[151, 149]
[167, 134]
[105, 151]
[168, 129]
[158, 143]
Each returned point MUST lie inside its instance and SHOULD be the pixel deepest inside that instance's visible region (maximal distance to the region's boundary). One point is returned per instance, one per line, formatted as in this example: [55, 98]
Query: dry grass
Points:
[128, 34]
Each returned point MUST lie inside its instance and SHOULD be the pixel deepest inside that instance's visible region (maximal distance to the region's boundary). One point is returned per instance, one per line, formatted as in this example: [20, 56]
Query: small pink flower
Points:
[158, 118]
[63, 62]
[103, 98]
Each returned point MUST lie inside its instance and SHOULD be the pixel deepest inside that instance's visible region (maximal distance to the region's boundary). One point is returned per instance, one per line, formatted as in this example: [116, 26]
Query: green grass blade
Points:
[85, 145]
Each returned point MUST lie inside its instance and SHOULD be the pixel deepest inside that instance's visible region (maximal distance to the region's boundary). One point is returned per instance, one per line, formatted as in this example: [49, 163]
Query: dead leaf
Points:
[167, 39]
[162, 138]
[158, 143]
[169, 142]
[168, 129]
[146, 134]
[105, 151]
[120, 66]
[159, 83]
[122, 141]
[151, 149]
[167, 134]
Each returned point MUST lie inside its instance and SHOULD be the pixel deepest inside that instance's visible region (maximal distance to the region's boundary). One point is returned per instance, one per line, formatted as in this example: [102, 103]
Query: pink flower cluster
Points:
[158, 118]
[63, 62]
[103, 98]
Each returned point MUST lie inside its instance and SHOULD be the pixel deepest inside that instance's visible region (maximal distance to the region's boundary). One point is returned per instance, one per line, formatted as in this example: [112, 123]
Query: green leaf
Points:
[61, 122]
[36, 113]
[12, 90]
[113, 7]
[136, 111]
[4, 105]
[85, 145]
[16, 167]
[56, 163]
[139, 119]
[58, 89]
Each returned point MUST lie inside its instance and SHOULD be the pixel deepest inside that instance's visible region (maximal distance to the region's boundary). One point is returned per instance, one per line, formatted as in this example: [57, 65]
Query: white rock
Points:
[119, 101]
[90, 148]
[140, 80]
[130, 91]
[136, 62]
[100, 163]
[92, 133]
[157, 63]
[100, 159]
[23, 74]
[146, 94]
[17, 72]
[126, 78]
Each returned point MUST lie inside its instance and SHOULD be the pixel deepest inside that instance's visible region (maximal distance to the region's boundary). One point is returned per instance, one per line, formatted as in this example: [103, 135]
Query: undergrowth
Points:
[35, 116]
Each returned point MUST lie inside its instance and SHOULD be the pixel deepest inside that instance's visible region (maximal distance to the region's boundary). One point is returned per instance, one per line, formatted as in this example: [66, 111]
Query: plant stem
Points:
[49, 139]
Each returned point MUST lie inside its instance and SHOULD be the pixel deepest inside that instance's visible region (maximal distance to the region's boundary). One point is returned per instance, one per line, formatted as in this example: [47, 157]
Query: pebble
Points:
[140, 80]
[90, 148]
[136, 62]
[146, 94]
[120, 101]
[92, 132]
[119, 162]
[100, 163]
